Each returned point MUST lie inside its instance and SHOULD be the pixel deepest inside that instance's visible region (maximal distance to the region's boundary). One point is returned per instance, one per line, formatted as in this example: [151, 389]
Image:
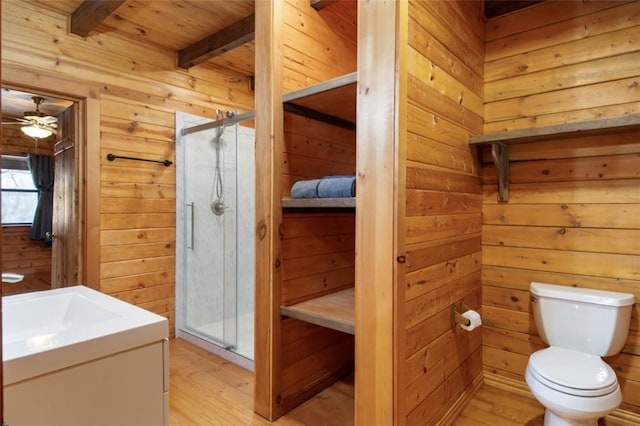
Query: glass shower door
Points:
[210, 186]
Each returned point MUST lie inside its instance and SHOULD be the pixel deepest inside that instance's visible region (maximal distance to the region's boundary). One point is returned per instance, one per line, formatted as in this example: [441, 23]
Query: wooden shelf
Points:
[321, 203]
[500, 141]
[332, 101]
[335, 311]
[599, 126]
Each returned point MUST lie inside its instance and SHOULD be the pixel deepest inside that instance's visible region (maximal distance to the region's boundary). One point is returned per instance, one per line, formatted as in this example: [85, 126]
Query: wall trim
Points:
[461, 403]
[618, 418]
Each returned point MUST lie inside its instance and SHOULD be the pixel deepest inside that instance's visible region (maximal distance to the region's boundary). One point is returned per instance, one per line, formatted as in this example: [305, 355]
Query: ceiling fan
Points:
[37, 124]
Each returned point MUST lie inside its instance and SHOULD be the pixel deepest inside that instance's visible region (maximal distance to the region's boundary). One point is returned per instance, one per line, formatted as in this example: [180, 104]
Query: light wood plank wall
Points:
[140, 91]
[442, 68]
[317, 247]
[572, 214]
[20, 253]
[317, 46]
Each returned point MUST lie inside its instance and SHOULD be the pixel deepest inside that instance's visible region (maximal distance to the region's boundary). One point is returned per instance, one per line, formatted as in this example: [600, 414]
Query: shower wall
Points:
[215, 252]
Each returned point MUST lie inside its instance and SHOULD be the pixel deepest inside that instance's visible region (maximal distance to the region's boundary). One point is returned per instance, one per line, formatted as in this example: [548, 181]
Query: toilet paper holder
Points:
[457, 318]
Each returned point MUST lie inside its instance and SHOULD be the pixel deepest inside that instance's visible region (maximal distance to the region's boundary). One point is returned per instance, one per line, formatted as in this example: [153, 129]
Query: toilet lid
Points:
[572, 372]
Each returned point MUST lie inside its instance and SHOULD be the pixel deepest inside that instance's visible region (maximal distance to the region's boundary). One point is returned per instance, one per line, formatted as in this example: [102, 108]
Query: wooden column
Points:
[1, 359]
[375, 213]
[269, 141]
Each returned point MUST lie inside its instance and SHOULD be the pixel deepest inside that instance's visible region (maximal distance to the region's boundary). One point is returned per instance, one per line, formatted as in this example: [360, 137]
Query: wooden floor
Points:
[207, 390]
[493, 406]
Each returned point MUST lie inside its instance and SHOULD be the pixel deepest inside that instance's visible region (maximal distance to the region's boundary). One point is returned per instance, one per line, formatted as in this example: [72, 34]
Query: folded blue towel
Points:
[337, 187]
[327, 187]
[305, 189]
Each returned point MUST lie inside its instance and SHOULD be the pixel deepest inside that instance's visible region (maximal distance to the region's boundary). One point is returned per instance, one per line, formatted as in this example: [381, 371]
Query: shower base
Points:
[241, 353]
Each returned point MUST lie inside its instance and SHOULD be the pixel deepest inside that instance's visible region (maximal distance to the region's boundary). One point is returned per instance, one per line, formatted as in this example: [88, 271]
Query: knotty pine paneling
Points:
[24, 256]
[140, 91]
[572, 214]
[317, 45]
[17, 143]
[562, 67]
[441, 208]
[313, 149]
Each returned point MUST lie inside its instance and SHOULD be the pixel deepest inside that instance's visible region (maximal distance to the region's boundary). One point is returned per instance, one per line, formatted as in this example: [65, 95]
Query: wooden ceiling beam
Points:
[216, 44]
[90, 14]
[320, 4]
[494, 8]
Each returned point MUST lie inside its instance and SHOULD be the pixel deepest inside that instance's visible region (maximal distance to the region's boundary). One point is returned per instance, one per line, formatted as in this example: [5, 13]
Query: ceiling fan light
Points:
[36, 132]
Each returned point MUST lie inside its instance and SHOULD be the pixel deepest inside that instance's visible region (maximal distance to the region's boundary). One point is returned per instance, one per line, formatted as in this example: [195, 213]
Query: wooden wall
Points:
[440, 226]
[317, 45]
[19, 253]
[140, 91]
[17, 143]
[572, 214]
[27, 257]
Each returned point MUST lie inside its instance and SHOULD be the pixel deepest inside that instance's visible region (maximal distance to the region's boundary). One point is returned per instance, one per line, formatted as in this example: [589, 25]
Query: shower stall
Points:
[215, 180]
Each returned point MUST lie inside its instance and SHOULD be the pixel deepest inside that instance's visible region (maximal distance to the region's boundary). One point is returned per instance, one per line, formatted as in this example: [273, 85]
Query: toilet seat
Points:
[573, 373]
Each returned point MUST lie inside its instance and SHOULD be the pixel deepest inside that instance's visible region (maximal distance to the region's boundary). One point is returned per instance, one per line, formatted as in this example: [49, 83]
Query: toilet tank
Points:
[585, 320]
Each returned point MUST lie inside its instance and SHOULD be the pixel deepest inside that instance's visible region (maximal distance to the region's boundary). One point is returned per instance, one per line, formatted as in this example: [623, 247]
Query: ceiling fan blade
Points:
[13, 122]
[47, 120]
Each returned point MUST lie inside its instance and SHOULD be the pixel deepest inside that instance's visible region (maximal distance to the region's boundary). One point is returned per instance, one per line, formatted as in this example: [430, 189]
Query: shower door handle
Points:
[192, 226]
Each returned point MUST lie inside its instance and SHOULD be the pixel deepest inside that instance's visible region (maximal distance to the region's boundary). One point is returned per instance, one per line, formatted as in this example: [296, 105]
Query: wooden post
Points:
[375, 207]
[269, 140]
[1, 333]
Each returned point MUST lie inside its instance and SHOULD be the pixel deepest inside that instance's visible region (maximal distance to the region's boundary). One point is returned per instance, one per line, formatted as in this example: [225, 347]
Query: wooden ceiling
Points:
[494, 8]
[15, 103]
[218, 32]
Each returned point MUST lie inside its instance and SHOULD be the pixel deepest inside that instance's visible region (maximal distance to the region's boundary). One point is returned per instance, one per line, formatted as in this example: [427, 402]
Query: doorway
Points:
[68, 249]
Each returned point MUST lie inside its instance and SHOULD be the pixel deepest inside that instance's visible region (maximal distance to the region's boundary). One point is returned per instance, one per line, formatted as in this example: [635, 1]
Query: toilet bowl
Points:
[569, 377]
[575, 388]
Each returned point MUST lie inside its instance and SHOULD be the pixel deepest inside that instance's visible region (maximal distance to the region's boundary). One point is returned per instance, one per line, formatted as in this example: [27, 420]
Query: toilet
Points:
[580, 326]
[12, 277]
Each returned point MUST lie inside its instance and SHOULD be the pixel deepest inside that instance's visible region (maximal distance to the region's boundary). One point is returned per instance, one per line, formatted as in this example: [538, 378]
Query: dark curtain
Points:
[41, 167]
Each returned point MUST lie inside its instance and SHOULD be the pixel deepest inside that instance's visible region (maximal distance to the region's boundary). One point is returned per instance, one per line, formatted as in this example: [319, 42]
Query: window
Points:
[19, 195]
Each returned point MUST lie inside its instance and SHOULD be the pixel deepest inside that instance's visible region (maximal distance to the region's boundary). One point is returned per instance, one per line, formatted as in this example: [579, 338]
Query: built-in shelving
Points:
[321, 203]
[333, 102]
[335, 311]
[500, 141]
